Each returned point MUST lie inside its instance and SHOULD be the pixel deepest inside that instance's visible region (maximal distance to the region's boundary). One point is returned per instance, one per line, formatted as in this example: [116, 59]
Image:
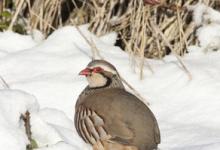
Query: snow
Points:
[43, 79]
[203, 14]
[208, 21]
[22, 42]
[13, 103]
[59, 146]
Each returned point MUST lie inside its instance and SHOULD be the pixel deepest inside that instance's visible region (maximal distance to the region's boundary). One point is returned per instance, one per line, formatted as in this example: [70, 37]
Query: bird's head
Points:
[99, 73]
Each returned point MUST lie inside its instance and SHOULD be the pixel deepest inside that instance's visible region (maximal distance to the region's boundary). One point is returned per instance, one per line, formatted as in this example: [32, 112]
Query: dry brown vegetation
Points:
[140, 27]
[143, 30]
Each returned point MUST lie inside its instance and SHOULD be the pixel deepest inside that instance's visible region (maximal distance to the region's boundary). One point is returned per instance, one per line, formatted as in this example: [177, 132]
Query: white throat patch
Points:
[96, 80]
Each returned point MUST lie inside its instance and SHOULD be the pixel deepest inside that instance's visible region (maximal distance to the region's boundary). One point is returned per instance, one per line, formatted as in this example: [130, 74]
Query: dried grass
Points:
[131, 19]
[144, 31]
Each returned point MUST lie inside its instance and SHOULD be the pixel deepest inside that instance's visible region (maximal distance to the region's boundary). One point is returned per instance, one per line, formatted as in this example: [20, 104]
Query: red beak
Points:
[85, 72]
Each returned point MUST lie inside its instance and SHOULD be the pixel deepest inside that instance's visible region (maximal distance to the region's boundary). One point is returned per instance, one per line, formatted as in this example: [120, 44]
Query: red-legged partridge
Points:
[109, 117]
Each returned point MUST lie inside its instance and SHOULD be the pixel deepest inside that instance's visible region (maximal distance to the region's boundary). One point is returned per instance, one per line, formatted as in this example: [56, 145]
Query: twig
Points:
[181, 32]
[131, 54]
[15, 15]
[135, 91]
[5, 84]
[91, 44]
[26, 118]
[43, 20]
[1, 6]
[32, 143]
[156, 28]
[174, 7]
[96, 49]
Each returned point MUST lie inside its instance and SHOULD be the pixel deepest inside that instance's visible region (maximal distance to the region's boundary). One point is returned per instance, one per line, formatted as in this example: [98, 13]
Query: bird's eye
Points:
[97, 69]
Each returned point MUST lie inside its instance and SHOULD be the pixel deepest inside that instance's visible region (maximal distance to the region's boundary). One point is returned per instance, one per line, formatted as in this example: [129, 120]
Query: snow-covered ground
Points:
[43, 78]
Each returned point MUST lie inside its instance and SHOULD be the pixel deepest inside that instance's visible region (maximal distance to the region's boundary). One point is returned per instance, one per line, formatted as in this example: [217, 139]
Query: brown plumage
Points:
[110, 118]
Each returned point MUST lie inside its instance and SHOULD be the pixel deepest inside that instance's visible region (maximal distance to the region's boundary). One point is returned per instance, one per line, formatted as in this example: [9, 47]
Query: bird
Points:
[110, 118]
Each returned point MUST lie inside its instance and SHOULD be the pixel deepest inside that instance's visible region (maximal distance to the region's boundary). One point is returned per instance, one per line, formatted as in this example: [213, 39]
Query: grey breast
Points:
[89, 124]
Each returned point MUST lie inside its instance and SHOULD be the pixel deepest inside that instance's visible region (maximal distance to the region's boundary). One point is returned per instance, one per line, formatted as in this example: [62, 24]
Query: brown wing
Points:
[89, 125]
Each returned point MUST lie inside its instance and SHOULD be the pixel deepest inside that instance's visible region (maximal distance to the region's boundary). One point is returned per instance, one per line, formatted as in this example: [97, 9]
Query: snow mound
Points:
[48, 126]
[204, 14]
[19, 42]
[208, 21]
[13, 103]
[60, 146]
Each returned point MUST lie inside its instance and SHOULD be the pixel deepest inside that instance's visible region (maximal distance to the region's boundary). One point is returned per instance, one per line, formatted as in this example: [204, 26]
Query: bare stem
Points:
[156, 28]
[135, 91]
[91, 44]
[5, 84]
[26, 118]
[18, 9]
